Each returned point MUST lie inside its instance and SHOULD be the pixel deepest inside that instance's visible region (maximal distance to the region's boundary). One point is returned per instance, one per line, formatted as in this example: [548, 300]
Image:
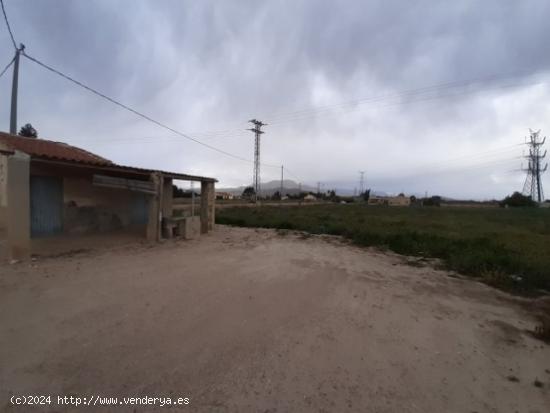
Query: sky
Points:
[424, 96]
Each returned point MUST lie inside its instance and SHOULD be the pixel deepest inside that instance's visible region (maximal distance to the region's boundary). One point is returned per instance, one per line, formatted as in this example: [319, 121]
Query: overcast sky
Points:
[341, 84]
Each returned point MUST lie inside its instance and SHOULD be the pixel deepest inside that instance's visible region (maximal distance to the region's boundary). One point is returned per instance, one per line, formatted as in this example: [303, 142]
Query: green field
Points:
[508, 248]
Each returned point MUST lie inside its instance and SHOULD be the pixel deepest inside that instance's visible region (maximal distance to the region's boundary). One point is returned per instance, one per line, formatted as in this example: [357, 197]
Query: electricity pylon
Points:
[257, 129]
[533, 183]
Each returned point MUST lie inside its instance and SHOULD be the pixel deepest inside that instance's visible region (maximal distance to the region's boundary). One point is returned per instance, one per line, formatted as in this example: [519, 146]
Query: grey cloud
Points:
[212, 65]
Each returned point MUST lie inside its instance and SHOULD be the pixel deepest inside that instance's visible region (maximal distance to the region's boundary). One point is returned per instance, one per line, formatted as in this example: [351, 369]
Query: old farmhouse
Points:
[54, 190]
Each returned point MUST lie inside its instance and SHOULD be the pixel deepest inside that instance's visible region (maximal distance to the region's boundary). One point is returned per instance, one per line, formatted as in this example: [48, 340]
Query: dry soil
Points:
[254, 320]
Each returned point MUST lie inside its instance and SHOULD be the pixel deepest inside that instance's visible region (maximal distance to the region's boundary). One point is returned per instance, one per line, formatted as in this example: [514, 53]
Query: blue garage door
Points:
[46, 205]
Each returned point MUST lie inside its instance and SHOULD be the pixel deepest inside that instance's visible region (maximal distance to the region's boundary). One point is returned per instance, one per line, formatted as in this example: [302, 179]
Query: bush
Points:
[432, 201]
[517, 200]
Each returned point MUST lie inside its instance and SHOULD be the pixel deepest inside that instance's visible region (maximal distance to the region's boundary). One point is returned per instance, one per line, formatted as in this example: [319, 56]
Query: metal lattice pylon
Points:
[533, 183]
[256, 181]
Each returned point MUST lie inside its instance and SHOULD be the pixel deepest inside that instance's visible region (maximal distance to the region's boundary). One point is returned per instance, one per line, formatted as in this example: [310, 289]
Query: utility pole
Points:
[533, 183]
[192, 199]
[361, 182]
[282, 177]
[257, 129]
[14, 86]
[319, 188]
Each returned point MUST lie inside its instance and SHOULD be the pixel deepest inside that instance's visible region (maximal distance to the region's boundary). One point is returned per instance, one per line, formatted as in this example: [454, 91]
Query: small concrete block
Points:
[191, 228]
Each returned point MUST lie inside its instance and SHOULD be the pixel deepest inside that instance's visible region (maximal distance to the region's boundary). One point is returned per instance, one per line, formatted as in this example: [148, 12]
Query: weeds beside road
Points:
[507, 248]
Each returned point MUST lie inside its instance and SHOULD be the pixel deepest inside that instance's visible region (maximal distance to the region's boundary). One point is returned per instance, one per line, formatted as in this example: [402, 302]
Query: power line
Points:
[135, 112]
[141, 138]
[289, 172]
[162, 125]
[8, 25]
[7, 66]
[186, 136]
[476, 156]
[461, 168]
[475, 161]
[277, 116]
[412, 99]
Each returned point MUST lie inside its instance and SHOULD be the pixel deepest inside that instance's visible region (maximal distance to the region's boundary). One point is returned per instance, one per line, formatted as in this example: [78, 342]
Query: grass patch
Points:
[506, 248]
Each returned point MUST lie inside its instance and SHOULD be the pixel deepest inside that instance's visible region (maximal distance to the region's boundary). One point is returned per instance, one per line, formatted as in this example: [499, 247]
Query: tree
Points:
[28, 131]
[366, 195]
[331, 196]
[177, 192]
[276, 196]
[248, 192]
[517, 200]
[432, 201]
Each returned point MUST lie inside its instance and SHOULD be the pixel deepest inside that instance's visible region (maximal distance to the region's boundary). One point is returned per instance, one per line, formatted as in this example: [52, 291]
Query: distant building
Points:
[310, 197]
[224, 195]
[377, 200]
[399, 200]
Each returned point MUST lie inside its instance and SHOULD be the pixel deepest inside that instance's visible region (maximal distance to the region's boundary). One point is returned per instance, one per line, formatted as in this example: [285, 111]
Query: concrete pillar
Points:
[208, 205]
[18, 211]
[155, 212]
[167, 198]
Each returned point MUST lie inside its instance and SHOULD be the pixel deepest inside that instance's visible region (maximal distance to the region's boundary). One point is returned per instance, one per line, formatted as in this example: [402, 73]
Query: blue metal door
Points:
[46, 205]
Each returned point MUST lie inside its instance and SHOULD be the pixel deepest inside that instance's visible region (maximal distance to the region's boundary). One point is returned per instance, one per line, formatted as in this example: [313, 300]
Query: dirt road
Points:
[251, 320]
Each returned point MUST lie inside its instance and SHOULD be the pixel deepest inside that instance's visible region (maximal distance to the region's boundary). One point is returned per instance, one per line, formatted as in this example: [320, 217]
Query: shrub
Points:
[517, 200]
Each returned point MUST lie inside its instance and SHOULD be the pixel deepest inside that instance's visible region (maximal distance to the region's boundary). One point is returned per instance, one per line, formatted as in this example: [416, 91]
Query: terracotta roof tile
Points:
[41, 148]
[50, 151]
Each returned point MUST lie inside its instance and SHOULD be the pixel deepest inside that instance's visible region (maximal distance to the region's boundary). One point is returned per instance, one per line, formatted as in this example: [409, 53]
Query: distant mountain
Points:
[291, 187]
[269, 188]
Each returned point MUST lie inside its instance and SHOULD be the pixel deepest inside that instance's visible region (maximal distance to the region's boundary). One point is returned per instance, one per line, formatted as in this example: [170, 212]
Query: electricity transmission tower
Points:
[533, 182]
[257, 129]
[361, 182]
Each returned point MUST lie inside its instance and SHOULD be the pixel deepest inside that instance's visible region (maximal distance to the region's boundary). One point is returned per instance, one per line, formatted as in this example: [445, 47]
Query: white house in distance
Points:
[224, 195]
[400, 200]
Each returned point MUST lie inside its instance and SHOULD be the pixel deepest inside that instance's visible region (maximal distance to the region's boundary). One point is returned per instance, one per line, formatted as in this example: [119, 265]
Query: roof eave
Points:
[123, 168]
